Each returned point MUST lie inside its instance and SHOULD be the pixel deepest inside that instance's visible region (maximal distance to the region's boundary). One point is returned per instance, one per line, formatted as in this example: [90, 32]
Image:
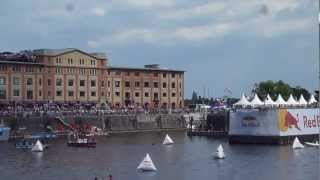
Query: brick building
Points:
[74, 76]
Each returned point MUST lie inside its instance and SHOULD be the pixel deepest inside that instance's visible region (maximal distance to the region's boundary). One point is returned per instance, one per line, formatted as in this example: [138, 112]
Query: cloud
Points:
[200, 10]
[205, 32]
[98, 12]
[150, 3]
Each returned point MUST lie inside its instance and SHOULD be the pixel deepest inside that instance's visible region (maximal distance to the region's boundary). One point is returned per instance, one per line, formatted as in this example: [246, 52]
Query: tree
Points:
[275, 88]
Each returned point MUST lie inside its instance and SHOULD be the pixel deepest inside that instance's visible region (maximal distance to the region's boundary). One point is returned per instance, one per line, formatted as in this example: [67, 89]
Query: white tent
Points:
[312, 100]
[256, 101]
[280, 101]
[302, 101]
[268, 101]
[291, 101]
[242, 102]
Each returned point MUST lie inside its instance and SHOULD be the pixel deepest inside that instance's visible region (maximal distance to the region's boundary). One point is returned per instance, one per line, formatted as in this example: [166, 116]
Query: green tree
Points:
[279, 87]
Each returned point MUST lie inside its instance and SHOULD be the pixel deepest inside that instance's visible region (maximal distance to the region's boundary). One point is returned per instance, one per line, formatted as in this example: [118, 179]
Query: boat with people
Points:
[76, 139]
[315, 144]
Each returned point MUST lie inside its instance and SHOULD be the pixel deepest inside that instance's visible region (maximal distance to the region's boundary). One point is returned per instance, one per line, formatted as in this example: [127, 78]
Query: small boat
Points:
[316, 144]
[25, 144]
[219, 153]
[147, 164]
[83, 140]
[167, 140]
[4, 133]
[37, 147]
[297, 144]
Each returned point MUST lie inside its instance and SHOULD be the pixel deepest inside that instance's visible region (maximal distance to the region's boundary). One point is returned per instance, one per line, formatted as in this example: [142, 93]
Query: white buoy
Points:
[147, 164]
[219, 153]
[38, 147]
[297, 144]
[167, 140]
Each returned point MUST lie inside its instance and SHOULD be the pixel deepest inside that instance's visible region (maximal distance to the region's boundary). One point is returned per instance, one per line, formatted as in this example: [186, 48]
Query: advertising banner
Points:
[275, 122]
[298, 121]
[254, 122]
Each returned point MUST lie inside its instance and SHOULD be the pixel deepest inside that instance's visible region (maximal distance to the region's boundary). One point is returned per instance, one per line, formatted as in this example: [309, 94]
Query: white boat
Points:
[219, 153]
[147, 164]
[167, 140]
[297, 144]
[316, 144]
[37, 147]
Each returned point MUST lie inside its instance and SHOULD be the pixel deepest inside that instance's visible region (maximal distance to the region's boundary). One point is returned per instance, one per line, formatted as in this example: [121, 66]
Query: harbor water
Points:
[189, 158]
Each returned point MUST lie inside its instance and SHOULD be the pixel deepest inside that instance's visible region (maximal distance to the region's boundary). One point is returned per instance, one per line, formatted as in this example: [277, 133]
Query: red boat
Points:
[84, 140]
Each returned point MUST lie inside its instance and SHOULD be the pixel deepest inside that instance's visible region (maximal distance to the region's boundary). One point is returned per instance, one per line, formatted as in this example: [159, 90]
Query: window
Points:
[93, 62]
[109, 84]
[93, 83]
[93, 93]
[127, 74]
[173, 85]
[2, 94]
[81, 61]
[127, 84]
[173, 94]
[117, 83]
[137, 94]
[109, 94]
[49, 93]
[16, 92]
[137, 74]
[164, 85]
[58, 82]
[2, 81]
[16, 68]
[180, 85]
[127, 95]
[70, 93]
[118, 73]
[164, 75]
[164, 94]
[180, 75]
[82, 82]
[102, 83]
[40, 82]
[155, 96]
[146, 94]
[49, 82]
[29, 94]
[173, 75]
[16, 81]
[70, 82]
[155, 74]
[82, 93]
[40, 93]
[137, 84]
[146, 84]
[155, 84]
[29, 81]
[59, 93]
[117, 94]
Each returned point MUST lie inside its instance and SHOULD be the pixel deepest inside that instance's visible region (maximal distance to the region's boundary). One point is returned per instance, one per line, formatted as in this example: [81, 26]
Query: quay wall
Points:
[109, 123]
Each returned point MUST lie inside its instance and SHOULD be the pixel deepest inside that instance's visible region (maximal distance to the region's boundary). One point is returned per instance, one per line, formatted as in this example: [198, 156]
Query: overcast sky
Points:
[222, 44]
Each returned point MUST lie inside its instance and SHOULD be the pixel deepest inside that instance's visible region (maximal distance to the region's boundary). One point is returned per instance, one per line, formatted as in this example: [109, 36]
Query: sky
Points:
[225, 46]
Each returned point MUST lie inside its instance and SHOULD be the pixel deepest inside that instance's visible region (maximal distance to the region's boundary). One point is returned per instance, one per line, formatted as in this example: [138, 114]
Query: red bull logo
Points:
[287, 121]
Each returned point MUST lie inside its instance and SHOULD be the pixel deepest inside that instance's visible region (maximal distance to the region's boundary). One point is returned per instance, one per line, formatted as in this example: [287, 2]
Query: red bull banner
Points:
[275, 122]
[298, 121]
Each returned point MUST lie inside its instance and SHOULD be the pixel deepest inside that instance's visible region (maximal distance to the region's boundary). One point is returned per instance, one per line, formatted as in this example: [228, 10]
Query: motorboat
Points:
[82, 140]
[316, 144]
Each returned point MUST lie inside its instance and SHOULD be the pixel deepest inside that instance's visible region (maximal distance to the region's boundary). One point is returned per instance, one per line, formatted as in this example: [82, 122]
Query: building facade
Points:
[74, 76]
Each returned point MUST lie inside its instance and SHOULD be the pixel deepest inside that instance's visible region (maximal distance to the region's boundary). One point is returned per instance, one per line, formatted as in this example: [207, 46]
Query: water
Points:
[188, 159]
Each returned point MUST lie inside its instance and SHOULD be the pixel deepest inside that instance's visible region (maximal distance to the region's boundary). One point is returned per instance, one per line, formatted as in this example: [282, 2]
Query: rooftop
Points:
[56, 52]
[153, 67]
